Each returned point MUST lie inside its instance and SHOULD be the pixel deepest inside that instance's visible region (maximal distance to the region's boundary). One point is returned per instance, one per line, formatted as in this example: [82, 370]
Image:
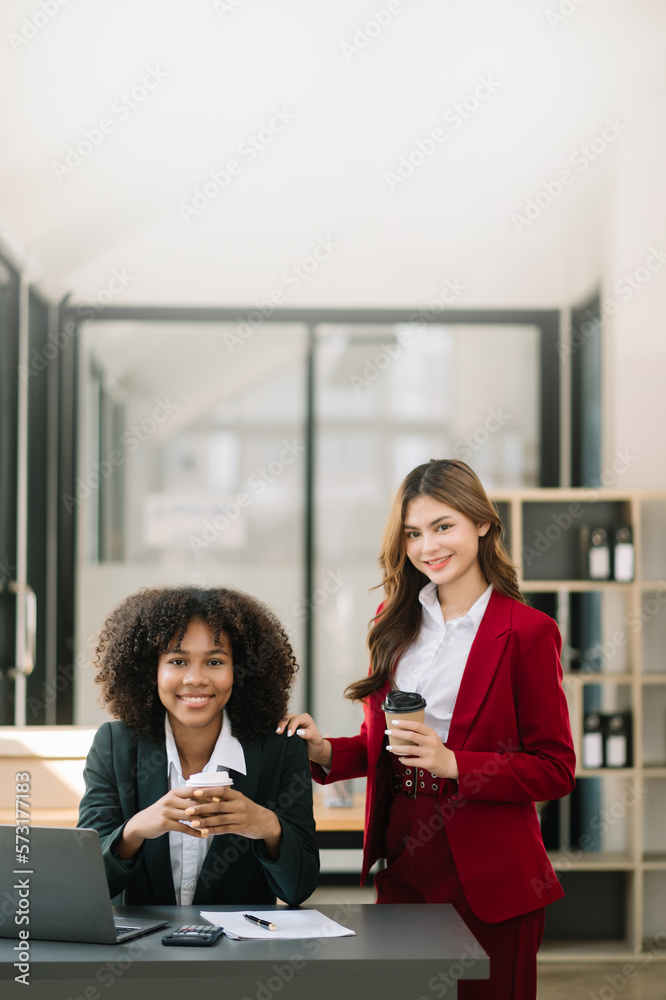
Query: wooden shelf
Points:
[573, 586]
[581, 952]
[43, 817]
[579, 494]
[602, 772]
[326, 817]
[600, 678]
[590, 861]
[529, 513]
[654, 862]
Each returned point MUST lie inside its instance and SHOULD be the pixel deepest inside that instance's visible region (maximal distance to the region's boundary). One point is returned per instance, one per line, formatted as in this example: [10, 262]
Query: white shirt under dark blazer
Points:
[188, 853]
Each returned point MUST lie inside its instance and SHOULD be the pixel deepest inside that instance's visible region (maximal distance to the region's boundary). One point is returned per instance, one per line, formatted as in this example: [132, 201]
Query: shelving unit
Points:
[631, 818]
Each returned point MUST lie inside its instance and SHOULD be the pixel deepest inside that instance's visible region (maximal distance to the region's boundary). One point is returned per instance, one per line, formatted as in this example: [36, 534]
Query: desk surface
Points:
[400, 946]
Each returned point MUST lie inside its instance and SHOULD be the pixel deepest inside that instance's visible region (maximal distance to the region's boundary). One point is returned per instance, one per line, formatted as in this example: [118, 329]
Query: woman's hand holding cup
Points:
[303, 725]
[225, 810]
[169, 813]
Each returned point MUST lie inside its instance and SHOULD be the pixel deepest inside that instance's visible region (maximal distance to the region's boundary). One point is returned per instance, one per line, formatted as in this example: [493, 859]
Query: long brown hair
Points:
[451, 482]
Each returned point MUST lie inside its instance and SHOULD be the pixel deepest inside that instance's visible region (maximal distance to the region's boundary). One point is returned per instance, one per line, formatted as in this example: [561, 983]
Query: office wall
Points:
[635, 359]
[558, 81]
[544, 91]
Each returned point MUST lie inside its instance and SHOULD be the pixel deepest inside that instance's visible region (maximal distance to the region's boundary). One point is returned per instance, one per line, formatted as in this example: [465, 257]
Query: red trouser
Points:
[424, 872]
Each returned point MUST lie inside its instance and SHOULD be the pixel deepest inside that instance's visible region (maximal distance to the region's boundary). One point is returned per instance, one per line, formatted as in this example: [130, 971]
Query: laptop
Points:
[63, 886]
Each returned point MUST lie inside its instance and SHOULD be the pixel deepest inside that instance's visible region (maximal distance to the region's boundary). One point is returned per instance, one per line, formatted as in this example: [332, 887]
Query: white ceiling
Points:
[227, 66]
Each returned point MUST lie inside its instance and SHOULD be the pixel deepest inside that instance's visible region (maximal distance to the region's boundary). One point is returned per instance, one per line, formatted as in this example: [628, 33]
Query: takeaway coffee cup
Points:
[210, 779]
[403, 705]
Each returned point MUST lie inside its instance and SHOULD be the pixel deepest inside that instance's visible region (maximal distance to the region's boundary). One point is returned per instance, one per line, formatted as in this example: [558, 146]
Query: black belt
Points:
[413, 781]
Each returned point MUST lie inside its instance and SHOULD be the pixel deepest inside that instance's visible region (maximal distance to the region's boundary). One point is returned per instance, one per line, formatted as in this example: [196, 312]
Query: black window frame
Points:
[547, 321]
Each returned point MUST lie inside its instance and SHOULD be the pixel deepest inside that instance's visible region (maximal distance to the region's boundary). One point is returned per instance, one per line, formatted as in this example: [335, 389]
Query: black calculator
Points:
[198, 935]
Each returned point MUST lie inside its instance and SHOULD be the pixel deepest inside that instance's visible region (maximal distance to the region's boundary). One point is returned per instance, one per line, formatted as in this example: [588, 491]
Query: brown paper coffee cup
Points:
[401, 705]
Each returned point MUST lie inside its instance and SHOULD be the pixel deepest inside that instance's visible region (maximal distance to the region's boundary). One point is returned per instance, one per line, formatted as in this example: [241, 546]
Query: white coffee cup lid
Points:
[209, 779]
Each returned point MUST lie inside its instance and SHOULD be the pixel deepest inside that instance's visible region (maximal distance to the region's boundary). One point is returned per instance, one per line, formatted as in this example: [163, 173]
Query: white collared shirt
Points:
[434, 663]
[188, 853]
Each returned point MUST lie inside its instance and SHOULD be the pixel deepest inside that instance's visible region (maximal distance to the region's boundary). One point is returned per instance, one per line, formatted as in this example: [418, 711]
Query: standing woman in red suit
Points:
[454, 814]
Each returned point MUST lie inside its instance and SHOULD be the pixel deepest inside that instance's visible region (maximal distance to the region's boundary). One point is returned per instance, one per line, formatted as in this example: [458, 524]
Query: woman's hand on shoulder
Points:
[303, 725]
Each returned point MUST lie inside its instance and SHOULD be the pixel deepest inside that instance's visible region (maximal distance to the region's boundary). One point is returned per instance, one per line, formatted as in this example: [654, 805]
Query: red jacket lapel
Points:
[484, 656]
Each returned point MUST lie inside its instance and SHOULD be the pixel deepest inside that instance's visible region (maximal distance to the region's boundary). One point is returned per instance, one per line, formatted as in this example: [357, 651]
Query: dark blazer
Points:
[511, 736]
[124, 774]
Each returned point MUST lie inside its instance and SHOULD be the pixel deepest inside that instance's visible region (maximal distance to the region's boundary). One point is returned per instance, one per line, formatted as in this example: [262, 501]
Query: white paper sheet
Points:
[292, 925]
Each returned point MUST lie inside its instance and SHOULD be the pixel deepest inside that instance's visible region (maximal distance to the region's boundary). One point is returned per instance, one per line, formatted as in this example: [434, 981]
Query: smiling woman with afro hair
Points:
[143, 626]
[198, 679]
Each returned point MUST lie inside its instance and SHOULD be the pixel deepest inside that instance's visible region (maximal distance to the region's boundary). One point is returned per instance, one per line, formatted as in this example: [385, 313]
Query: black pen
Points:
[262, 923]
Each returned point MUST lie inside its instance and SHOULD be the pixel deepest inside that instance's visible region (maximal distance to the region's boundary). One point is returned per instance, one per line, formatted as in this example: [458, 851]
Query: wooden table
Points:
[340, 827]
[43, 817]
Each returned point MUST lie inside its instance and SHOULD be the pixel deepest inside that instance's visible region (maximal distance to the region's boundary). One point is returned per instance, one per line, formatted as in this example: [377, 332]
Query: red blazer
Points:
[511, 736]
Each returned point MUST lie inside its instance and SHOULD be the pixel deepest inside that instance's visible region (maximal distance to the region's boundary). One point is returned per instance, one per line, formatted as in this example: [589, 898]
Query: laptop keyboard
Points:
[123, 929]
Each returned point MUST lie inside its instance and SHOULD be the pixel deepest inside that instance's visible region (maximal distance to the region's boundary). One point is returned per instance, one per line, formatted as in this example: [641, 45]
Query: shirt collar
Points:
[430, 602]
[227, 753]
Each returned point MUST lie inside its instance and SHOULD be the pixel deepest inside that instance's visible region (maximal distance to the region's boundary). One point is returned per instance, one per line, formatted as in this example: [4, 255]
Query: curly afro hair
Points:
[143, 626]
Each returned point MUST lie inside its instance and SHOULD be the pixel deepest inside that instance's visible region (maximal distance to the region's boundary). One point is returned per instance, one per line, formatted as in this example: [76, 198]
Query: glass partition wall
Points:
[196, 473]
[388, 398]
[266, 459]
